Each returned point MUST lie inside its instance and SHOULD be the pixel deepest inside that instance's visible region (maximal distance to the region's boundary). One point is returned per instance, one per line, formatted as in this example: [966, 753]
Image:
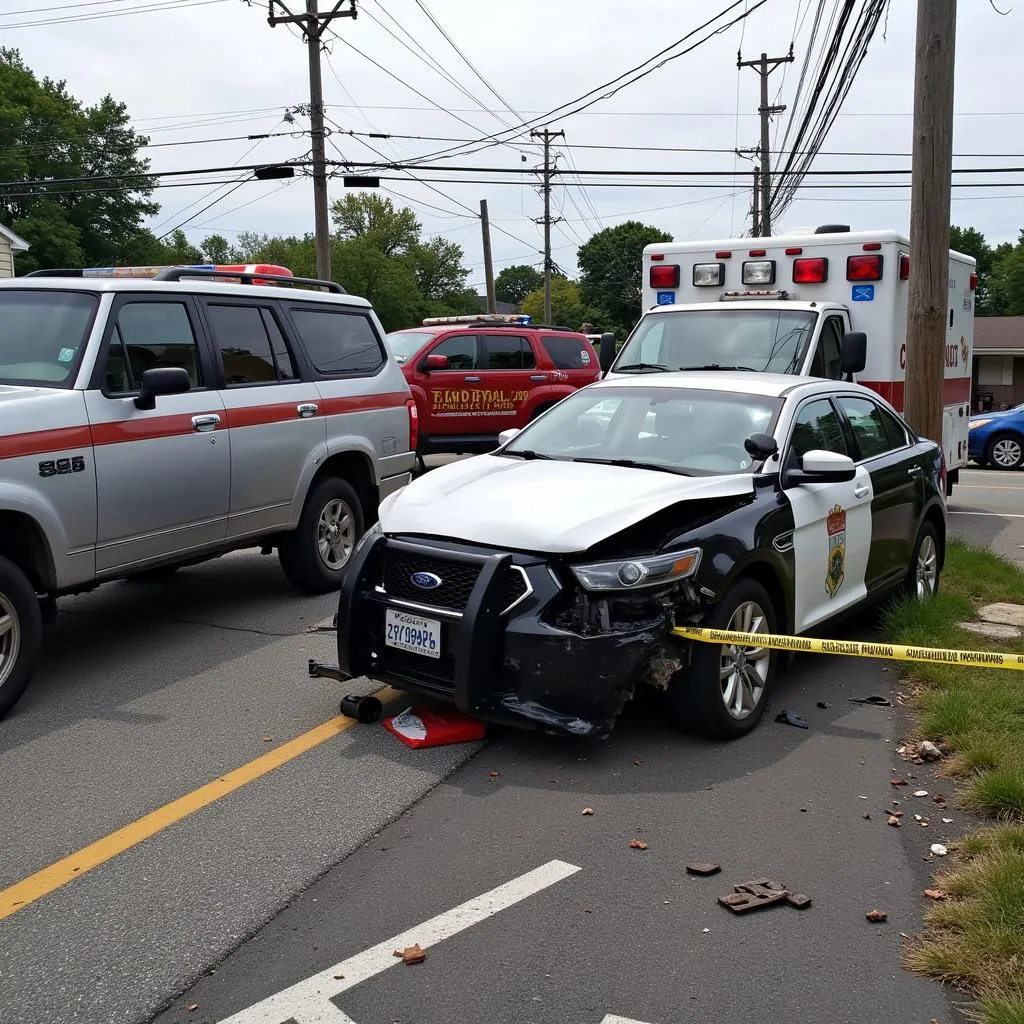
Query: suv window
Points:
[827, 359]
[250, 344]
[817, 428]
[149, 335]
[508, 352]
[871, 433]
[460, 350]
[566, 353]
[42, 335]
[339, 342]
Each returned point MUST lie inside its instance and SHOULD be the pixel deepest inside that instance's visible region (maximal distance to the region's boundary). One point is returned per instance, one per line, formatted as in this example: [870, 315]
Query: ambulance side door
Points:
[831, 521]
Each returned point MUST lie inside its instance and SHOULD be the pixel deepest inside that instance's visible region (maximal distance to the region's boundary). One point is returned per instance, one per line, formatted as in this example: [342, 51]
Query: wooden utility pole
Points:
[757, 203]
[485, 226]
[764, 66]
[547, 136]
[314, 25]
[931, 172]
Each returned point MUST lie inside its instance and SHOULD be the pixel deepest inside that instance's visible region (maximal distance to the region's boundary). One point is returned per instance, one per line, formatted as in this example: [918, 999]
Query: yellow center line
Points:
[44, 881]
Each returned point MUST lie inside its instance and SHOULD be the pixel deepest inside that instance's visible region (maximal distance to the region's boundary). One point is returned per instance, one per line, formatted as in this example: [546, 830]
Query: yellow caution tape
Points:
[853, 648]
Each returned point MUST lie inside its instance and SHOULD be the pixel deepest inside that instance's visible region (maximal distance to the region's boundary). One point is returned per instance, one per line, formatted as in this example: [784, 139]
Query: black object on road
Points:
[882, 702]
[792, 718]
[366, 709]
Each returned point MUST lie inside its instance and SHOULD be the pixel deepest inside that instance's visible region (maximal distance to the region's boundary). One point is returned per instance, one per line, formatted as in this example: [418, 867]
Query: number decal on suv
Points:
[58, 467]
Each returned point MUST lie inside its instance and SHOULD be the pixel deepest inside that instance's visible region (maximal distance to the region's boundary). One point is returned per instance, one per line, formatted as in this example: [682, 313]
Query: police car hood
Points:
[543, 506]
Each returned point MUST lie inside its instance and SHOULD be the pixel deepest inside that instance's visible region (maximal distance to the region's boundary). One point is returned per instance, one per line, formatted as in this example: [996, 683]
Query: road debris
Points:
[881, 702]
[192, 1007]
[920, 792]
[935, 894]
[411, 954]
[824, 705]
[867, 816]
[939, 850]
[638, 760]
[588, 810]
[894, 821]
[339, 977]
[897, 782]
[703, 869]
[494, 775]
[762, 892]
[947, 821]
[792, 718]
[876, 916]
[929, 751]
[268, 739]
[638, 844]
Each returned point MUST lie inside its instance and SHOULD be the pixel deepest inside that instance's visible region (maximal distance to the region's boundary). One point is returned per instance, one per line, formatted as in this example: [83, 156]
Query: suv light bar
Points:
[518, 319]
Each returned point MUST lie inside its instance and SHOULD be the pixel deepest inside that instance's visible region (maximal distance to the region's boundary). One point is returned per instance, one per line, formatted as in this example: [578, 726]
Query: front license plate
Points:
[412, 633]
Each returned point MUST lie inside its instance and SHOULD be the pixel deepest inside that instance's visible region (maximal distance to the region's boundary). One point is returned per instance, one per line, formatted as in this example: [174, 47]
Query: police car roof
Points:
[751, 382]
[191, 286]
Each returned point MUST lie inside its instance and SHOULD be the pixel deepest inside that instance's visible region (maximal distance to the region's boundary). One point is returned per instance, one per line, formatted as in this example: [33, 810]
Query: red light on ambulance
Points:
[725, 254]
[796, 250]
[904, 267]
[657, 256]
[665, 276]
[758, 252]
[974, 282]
[871, 246]
[864, 268]
[810, 271]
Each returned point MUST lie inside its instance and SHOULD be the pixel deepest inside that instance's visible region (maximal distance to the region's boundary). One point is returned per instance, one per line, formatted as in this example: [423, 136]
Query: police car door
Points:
[831, 521]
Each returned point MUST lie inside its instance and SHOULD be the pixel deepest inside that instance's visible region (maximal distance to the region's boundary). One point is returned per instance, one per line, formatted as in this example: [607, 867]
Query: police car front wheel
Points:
[725, 690]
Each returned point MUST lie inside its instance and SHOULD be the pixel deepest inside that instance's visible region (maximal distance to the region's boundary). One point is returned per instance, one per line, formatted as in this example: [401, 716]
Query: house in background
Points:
[10, 244]
[499, 307]
[998, 373]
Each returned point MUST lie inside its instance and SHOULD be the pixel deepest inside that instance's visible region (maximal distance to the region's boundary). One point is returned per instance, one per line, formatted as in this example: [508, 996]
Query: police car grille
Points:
[515, 587]
[435, 674]
[457, 580]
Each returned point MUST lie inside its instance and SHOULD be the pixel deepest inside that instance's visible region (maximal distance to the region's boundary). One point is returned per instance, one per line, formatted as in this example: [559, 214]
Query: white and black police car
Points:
[538, 585]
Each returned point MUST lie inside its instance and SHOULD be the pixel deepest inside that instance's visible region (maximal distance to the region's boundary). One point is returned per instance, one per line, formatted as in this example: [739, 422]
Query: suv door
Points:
[162, 475]
[572, 357]
[274, 416]
[831, 521]
[881, 446]
[454, 393]
[510, 374]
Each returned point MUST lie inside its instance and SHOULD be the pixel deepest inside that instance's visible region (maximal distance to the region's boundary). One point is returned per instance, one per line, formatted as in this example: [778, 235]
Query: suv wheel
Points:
[21, 630]
[315, 555]
[724, 692]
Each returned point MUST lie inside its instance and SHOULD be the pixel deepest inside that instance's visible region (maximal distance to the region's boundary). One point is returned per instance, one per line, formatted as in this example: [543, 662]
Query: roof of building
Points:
[18, 244]
[999, 334]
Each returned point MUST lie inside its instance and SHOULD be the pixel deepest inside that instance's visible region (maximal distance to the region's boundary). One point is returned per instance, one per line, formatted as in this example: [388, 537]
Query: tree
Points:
[1007, 283]
[514, 283]
[216, 249]
[437, 264]
[971, 242]
[610, 273]
[46, 133]
[566, 303]
[366, 215]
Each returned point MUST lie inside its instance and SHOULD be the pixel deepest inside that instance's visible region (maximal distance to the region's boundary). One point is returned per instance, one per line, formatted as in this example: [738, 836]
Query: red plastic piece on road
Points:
[434, 727]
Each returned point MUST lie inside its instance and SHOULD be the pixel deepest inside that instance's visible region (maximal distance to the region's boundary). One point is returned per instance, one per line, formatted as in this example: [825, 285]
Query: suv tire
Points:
[22, 623]
[698, 697]
[315, 554]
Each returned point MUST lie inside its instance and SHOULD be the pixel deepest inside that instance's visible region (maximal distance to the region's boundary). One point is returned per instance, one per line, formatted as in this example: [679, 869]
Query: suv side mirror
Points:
[821, 467]
[606, 353]
[854, 353]
[435, 362]
[162, 380]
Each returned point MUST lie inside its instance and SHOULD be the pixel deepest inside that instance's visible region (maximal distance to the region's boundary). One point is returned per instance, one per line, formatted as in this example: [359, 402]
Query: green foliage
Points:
[1007, 282]
[366, 215]
[1000, 272]
[566, 303]
[610, 274]
[46, 133]
[514, 283]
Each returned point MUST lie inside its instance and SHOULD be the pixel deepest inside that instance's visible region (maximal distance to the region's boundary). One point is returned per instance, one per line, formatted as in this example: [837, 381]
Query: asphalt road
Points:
[987, 507]
[147, 692]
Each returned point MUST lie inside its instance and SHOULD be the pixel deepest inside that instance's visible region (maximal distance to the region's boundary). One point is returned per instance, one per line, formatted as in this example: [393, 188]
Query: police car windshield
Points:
[767, 340]
[682, 430]
[405, 344]
[42, 334]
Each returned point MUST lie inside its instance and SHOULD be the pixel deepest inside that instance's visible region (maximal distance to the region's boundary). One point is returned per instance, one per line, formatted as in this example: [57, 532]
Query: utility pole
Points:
[931, 172]
[485, 225]
[314, 25]
[547, 136]
[764, 66]
[757, 202]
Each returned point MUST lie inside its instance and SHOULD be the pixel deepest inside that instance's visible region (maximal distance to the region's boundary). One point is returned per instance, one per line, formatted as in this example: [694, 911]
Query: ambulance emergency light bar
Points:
[520, 319]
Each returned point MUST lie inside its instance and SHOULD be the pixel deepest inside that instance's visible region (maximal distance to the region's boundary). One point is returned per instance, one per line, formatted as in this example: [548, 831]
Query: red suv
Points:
[474, 376]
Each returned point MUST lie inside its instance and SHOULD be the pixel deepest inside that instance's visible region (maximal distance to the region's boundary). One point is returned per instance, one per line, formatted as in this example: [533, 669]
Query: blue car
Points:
[997, 439]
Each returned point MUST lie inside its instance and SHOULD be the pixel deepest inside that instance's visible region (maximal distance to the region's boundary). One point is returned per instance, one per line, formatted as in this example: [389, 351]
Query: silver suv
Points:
[150, 423]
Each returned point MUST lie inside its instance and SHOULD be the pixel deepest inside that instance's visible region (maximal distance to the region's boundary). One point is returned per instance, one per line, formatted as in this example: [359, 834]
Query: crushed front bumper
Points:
[499, 659]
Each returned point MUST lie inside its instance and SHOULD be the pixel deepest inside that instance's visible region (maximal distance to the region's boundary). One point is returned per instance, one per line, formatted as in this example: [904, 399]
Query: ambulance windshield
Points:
[767, 340]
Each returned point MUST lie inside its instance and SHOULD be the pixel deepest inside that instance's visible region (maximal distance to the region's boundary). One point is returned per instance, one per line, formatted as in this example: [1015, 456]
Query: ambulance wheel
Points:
[724, 692]
[314, 555]
[1005, 451]
[923, 576]
[21, 633]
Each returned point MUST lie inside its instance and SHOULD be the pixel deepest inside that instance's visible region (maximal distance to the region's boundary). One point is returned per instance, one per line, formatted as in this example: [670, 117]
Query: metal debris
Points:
[792, 718]
[876, 916]
[703, 869]
[762, 892]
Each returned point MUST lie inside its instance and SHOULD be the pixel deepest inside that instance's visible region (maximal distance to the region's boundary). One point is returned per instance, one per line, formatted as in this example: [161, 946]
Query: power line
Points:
[162, 5]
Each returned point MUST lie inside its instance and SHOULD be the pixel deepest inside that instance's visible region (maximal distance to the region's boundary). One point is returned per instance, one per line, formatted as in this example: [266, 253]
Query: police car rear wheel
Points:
[923, 577]
[21, 628]
[315, 555]
[726, 689]
[1005, 451]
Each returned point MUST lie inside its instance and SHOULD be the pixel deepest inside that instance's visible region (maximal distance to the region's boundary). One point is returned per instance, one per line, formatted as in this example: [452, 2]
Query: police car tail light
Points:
[414, 424]
[665, 275]
[708, 275]
[759, 271]
[864, 268]
[638, 573]
[810, 271]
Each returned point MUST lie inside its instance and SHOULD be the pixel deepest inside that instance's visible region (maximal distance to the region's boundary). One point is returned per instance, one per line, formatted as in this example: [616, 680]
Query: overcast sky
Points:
[208, 69]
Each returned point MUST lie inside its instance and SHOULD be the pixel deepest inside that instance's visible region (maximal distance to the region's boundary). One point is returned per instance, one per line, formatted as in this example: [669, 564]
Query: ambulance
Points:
[826, 303]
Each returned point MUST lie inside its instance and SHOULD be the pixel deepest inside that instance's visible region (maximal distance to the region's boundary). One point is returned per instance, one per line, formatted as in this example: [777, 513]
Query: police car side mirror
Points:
[435, 362]
[819, 467]
[854, 354]
[606, 353]
[506, 435]
[761, 446]
[162, 380]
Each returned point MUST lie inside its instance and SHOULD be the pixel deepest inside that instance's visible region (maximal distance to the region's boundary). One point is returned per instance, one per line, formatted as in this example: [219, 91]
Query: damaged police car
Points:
[538, 585]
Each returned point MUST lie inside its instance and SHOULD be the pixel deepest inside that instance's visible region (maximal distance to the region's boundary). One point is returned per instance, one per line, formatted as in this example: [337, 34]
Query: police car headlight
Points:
[638, 573]
[977, 423]
[373, 531]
